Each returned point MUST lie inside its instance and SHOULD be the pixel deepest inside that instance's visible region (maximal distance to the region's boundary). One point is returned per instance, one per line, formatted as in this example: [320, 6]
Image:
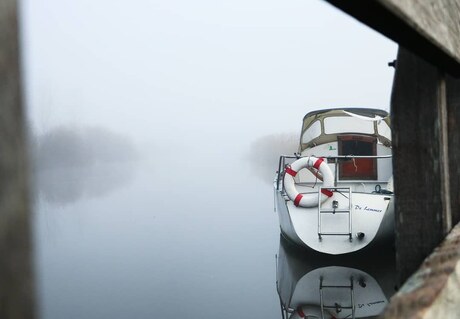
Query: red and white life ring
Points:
[308, 312]
[308, 200]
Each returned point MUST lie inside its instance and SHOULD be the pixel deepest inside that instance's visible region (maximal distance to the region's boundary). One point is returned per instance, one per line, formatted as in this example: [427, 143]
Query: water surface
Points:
[176, 236]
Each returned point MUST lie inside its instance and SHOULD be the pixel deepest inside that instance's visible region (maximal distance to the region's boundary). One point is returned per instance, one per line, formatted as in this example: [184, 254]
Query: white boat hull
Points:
[372, 215]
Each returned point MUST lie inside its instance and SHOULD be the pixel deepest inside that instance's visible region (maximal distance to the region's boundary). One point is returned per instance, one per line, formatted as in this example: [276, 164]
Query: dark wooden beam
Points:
[453, 111]
[418, 113]
[429, 28]
[16, 288]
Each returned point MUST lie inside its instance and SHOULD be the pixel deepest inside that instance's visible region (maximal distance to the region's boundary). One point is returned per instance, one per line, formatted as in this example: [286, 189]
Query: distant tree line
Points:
[80, 146]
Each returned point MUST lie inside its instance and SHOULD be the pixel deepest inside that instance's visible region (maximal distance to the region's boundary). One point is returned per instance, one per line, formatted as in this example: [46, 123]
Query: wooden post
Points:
[416, 124]
[425, 114]
[453, 110]
[420, 148]
[16, 288]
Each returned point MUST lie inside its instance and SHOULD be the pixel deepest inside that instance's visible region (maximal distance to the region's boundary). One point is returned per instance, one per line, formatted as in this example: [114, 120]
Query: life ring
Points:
[306, 312]
[307, 200]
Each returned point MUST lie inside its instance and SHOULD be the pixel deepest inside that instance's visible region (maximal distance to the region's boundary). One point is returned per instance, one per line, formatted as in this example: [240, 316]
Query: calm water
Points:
[153, 238]
[157, 238]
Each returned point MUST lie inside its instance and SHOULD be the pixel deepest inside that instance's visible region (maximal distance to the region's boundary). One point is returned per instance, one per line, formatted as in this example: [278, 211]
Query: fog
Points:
[265, 151]
[166, 70]
[69, 163]
[155, 130]
[80, 146]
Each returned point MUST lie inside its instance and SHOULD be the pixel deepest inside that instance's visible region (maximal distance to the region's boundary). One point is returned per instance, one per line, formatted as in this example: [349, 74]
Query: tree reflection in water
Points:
[71, 163]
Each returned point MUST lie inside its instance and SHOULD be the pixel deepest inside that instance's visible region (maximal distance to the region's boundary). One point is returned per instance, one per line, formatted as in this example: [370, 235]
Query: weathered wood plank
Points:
[453, 110]
[429, 28]
[444, 153]
[417, 161]
[16, 289]
[434, 290]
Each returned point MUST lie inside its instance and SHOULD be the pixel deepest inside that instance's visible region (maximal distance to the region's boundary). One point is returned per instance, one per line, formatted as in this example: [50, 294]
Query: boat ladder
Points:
[337, 307]
[335, 209]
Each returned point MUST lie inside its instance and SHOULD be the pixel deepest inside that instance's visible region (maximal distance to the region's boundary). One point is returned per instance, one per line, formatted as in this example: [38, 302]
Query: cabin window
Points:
[383, 129]
[359, 168]
[312, 132]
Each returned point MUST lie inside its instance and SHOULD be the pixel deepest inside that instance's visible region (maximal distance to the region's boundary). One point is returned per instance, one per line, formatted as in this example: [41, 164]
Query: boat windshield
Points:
[341, 124]
[312, 132]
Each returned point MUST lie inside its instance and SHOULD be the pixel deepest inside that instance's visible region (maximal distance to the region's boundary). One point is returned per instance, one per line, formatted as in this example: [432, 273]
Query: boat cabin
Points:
[354, 132]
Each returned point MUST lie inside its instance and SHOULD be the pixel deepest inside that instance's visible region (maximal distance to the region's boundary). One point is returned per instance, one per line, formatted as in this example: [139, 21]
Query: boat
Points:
[314, 285]
[335, 195]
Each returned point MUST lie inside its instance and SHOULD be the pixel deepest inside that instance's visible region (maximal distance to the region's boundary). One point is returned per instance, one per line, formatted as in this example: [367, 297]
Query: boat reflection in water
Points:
[315, 285]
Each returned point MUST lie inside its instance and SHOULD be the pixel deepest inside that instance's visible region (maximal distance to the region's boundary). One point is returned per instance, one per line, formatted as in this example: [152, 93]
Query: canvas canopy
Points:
[324, 126]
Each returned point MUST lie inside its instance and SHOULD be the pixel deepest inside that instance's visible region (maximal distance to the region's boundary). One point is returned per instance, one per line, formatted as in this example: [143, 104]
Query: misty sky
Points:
[176, 71]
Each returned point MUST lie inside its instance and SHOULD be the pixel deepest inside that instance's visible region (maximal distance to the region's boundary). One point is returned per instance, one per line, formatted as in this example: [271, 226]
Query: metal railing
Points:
[335, 159]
